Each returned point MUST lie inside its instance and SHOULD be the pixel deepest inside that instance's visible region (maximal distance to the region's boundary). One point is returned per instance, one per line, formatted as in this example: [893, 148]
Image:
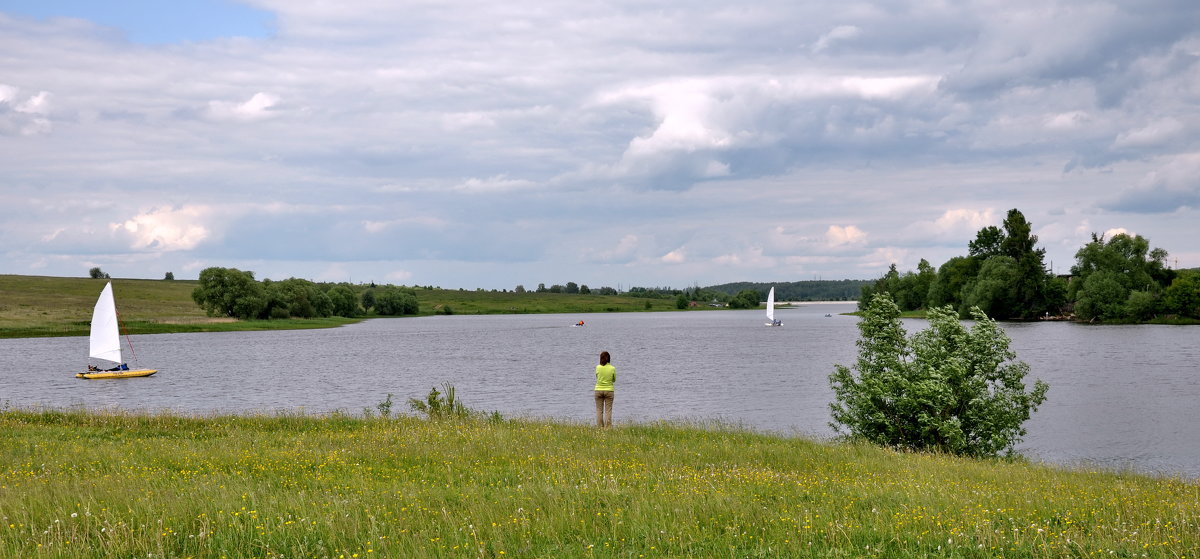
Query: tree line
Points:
[235, 293]
[808, 290]
[1004, 274]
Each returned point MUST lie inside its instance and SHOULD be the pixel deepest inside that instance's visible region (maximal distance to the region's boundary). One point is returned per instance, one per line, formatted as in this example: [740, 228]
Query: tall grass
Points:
[111, 484]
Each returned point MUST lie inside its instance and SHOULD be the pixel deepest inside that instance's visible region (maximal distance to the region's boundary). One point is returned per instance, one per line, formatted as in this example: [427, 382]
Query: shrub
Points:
[946, 388]
[440, 406]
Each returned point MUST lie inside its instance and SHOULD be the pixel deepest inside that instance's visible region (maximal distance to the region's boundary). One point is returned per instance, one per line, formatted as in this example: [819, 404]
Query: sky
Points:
[615, 143]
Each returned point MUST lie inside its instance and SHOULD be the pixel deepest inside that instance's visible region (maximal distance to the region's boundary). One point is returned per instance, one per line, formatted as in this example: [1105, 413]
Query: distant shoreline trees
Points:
[235, 293]
[1004, 274]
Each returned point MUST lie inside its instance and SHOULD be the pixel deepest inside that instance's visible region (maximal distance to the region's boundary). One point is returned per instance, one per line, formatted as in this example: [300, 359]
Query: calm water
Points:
[1120, 396]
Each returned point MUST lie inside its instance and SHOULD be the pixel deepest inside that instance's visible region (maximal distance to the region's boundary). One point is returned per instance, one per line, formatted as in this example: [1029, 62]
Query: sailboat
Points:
[771, 321]
[106, 341]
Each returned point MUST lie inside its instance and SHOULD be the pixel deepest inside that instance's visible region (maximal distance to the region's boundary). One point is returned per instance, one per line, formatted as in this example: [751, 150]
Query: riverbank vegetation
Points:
[1119, 279]
[113, 484]
[36, 306]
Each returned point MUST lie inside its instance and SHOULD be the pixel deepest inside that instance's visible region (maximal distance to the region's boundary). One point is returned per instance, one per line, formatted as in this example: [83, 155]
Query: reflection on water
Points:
[1120, 396]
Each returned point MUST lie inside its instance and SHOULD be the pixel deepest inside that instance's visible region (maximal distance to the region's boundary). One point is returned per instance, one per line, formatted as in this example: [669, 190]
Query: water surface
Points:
[1121, 397]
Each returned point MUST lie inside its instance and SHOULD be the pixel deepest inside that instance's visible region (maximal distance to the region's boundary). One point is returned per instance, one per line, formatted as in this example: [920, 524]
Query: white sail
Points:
[106, 337]
[771, 305]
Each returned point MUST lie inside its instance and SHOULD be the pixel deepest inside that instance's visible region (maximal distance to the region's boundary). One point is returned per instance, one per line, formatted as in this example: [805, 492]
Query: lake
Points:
[1121, 397]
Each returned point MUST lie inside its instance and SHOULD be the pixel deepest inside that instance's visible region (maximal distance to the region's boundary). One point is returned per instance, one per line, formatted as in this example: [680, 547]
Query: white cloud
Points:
[677, 256]
[958, 224]
[1110, 233]
[838, 236]
[38, 104]
[259, 106]
[498, 183]
[167, 229]
[1069, 120]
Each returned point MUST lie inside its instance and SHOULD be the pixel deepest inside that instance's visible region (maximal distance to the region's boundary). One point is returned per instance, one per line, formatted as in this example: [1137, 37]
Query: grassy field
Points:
[35, 306]
[108, 484]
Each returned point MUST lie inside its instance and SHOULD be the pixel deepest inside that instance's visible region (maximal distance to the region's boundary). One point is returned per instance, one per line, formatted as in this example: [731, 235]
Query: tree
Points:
[946, 388]
[344, 301]
[393, 301]
[169, 277]
[572, 288]
[1122, 278]
[682, 301]
[229, 292]
[295, 297]
[1101, 296]
[583, 290]
[1030, 283]
[993, 289]
[1183, 295]
[745, 299]
[97, 273]
[988, 242]
[952, 277]
[519, 289]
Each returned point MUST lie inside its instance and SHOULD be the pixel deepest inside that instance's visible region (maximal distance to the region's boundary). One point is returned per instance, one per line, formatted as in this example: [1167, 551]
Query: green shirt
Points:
[606, 375]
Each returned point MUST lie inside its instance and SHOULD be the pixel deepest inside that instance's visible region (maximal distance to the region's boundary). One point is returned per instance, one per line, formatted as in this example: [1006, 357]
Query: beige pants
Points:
[604, 402]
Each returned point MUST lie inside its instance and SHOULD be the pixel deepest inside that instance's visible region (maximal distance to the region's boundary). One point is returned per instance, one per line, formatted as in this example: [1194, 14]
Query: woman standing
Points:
[606, 375]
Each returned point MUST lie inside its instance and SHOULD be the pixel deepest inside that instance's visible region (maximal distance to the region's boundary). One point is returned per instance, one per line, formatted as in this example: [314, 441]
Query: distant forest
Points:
[812, 290]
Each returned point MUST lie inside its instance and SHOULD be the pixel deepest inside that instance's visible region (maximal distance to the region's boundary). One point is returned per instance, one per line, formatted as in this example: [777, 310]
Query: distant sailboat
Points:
[106, 341]
[771, 320]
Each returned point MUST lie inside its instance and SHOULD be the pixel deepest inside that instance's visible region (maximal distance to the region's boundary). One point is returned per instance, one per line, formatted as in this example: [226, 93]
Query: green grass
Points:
[112, 484]
[37, 306]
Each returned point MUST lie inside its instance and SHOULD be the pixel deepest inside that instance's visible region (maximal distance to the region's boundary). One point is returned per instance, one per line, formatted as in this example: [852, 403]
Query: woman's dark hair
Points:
[603, 357]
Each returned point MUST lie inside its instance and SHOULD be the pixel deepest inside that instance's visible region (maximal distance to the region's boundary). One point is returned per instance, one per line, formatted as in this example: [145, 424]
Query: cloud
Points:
[167, 229]
[1174, 186]
[24, 117]
[1154, 134]
[751, 257]
[836, 35]
[841, 236]
[677, 256]
[498, 183]
[624, 251]
[260, 106]
[490, 144]
[956, 226]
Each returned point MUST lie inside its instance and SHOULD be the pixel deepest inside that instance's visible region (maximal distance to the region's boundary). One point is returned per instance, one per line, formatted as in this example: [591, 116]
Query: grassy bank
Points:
[36, 306]
[78, 484]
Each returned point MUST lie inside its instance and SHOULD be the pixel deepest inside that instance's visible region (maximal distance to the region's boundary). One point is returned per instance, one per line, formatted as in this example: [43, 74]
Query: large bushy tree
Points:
[745, 299]
[393, 301]
[947, 388]
[1121, 278]
[1182, 297]
[344, 301]
[229, 292]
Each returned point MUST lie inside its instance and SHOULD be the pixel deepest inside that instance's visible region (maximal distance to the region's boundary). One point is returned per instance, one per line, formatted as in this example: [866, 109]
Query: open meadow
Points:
[113, 484]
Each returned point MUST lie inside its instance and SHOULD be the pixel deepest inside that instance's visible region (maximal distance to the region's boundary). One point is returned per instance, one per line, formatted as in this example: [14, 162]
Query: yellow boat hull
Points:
[116, 374]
